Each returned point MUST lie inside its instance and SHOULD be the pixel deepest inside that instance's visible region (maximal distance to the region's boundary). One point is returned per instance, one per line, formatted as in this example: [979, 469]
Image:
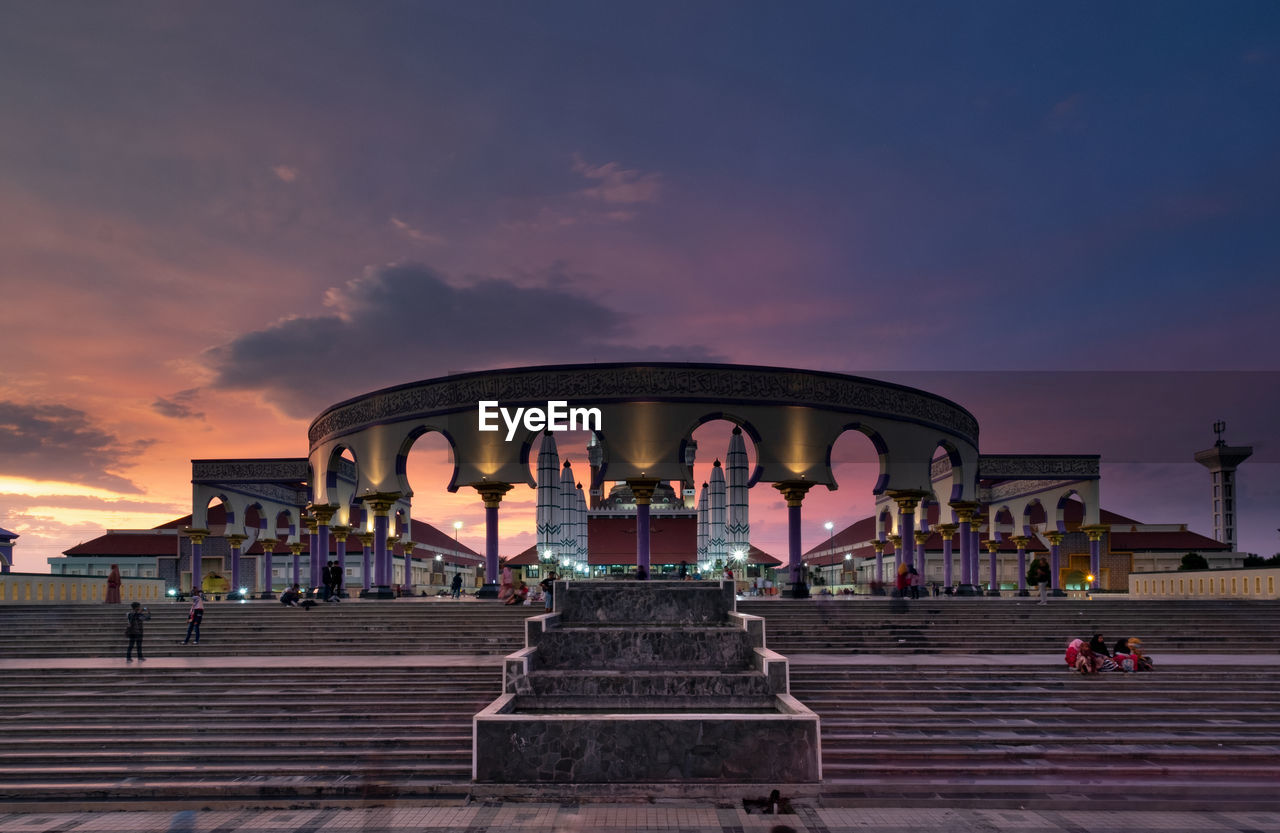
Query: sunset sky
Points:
[218, 218]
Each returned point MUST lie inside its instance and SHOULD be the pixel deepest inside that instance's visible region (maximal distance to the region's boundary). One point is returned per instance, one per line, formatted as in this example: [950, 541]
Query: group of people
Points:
[1093, 656]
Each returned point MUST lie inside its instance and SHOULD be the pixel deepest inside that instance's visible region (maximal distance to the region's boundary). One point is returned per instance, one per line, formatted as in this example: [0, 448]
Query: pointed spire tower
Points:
[548, 515]
[582, 526]
[704, 523]
[715, 526]
[737, 525]
[568, 546]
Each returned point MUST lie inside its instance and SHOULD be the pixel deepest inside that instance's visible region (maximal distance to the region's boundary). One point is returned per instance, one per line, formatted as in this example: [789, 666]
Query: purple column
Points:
[236, 542]
[966, 545]
[340, 536]
[321, 561]
[380, 526]
[642, 490]
[268, 585]
[408, 567]
[794, 566]
[642, 537]
[297, 564]
[920, 557]
[1022, 565]
[1055, 540]
[366, 576]
[907, 520]
[1095, 560]
[879, 545]
[975, 556]
[994, 589]
[313, 550]
[490, 543]
[197, 552]
[946, 532]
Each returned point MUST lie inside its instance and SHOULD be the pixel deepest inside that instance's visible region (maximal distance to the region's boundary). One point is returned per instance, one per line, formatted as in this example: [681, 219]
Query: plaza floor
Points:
[624, 818]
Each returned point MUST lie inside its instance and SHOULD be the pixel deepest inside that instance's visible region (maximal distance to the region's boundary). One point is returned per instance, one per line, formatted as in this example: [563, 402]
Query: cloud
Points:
[178, 406]
[285, 173]
[617, 185]
[416, 234]
[56, 442]
[405, 322]
[14, 501]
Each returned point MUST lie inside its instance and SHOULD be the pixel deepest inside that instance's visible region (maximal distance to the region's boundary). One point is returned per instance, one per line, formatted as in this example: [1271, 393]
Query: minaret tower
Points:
[1221, 461]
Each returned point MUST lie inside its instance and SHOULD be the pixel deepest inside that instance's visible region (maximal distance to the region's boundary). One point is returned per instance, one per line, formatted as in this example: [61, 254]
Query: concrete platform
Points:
[677, 818]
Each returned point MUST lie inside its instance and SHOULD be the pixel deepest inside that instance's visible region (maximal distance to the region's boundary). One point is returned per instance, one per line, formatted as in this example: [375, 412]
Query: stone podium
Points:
[647, 690]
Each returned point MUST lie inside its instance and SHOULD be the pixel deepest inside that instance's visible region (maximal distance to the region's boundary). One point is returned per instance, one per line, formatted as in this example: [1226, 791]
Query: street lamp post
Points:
[456, 526]
[831, 544]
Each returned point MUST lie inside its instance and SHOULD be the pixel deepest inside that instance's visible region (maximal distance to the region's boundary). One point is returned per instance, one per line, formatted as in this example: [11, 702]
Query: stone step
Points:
[645, 683]
[696, 649]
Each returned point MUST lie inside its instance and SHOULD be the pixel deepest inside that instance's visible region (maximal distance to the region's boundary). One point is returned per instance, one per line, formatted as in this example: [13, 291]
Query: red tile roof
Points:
[127, 543]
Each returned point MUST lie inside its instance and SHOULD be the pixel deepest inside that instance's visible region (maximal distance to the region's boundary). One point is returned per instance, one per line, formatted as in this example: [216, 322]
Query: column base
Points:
[1024, 593]
[994, 593]
[966, 590]
[1058, 593]
[382, 592]
[799, 590]
[487, 591]
[266, 594]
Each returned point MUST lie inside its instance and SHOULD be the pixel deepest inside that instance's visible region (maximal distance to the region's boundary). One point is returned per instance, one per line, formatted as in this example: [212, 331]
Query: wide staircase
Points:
[897, 728]
[265, 628]
[996, 626]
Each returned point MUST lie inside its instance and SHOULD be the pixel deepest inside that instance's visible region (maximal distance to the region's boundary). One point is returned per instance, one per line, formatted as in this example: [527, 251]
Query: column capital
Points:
[896, 540]
[236, 540]
[323, 512]
[1096, 531]
[310, 523]
[296, 549]
[381, 502]
[907, 499]
[197, 536]
[1055, 538]
[268, 544]
[1022, 541]
[366, 538]
[945, 530]
[966, 509]
[642, 489]
[921, 537]
[492, 493]
[340, 533]
[392, 540]
[879, 547]
[793, 490]
[993, 546]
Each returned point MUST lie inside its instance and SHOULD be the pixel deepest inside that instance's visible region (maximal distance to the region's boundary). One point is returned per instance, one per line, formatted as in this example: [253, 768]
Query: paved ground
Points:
[194, 660]
[531, 818]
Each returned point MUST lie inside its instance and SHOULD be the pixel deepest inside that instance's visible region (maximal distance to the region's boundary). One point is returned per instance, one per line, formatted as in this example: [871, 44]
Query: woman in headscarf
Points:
[1102, 654]
[113, 586]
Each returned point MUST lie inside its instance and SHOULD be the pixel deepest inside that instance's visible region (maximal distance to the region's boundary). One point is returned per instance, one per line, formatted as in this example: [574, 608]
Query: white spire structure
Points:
[582, 526]
[568, 546]
[548, 516]
[715, 525]
[737, 524]
[704, 518]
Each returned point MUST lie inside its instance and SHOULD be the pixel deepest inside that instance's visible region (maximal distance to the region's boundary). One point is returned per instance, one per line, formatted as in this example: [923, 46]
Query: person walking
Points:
[1038, 574]
[195, 615]
[113, 586]
[456, 585]
[133, 630]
